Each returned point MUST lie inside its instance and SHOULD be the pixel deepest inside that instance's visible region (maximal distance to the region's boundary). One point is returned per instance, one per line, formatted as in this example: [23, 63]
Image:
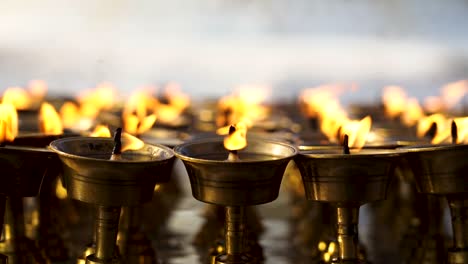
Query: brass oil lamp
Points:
[235, 181]
[95, 173]
[346, 180]
[441, 170]
[25, 168]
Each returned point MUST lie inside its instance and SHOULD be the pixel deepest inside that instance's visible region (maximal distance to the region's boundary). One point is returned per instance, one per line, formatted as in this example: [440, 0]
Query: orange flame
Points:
[462, 129]
[135, 118]
[444, 131]
[236, 138]
[394, 99]
[8, 122]
[323, 102]
[357, 131]
[425, 123]
[18, 97]
[130, 142]
[178, 99]
[413, 112]
[103, 97]
[49, 120]
[101, 131]
[244, 103]
[70, 114]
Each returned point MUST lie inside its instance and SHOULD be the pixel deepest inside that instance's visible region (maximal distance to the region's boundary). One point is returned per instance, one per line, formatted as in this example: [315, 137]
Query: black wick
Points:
[345, 145]
[117, 141]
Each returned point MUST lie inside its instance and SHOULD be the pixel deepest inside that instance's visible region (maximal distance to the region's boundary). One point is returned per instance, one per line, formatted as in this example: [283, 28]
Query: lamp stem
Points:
[234, 230]
[3, 258]
[107, 226]
[347, 230]
[459, 213]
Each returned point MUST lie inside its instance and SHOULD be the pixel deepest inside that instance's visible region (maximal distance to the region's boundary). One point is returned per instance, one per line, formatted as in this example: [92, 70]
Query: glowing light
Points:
[49, 120]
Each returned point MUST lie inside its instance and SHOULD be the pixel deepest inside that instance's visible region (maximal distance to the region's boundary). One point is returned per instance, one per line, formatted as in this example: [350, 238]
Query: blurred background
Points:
[210, 46]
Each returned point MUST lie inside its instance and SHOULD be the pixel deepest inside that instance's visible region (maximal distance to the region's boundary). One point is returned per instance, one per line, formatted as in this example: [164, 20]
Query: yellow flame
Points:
[135, 118]
[103, 97]
[444, 131]
[236, 140]
[101, 131]
[137, 126]
[322, 102]
[425, 123]
[413, 112]
[130, 142]
[462, 129]
[178, 99]
[244, 103]
[49, 120]
[357, 131]
[167, 113]
[394, 100]
[8, 122]
[70, 114]
[18, 97]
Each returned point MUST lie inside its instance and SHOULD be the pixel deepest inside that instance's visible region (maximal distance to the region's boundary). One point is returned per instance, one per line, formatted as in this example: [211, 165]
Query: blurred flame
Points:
[167, 113]
[394, 99]
[433, 104]
[237, 139]
[450, 96]
[425, 123]
[130, 142]
[413, 112]
[243, 104]
[397, 103]
[357, 131]
[18, 97]
[49, 120]
[176, 98]
[24, 99]
[135, 118]
[462, 129]
[37, 89]
[70, 114]
[103, 97]
[101, 131]
[444, 131]
[8, 122]
[322, 102]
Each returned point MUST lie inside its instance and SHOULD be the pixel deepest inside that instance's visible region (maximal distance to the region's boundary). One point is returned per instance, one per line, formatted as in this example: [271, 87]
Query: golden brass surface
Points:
[254, 180]
[443, 170]
[347, 181]
[90, 176]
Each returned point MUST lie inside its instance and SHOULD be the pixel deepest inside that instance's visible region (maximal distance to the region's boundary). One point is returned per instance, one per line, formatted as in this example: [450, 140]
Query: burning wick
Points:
[345, 145]
[117, 151]
[233, 156]
[454, 132]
